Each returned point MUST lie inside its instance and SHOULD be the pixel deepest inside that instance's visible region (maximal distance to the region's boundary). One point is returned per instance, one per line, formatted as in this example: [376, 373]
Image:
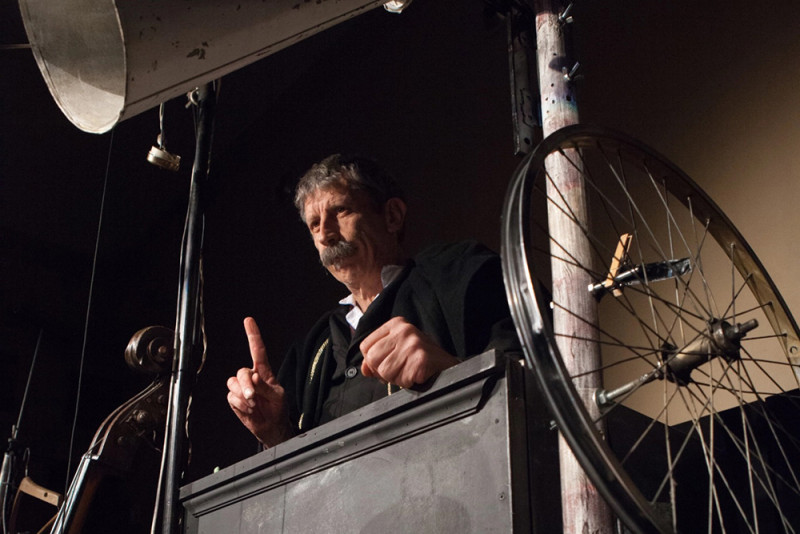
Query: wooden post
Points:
[583, 509]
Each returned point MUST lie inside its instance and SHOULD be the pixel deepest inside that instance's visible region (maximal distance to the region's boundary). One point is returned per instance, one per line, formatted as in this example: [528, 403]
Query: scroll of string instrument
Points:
[114, 482]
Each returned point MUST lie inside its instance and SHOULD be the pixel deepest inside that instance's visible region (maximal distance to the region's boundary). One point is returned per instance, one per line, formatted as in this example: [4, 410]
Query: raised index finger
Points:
[257, 349]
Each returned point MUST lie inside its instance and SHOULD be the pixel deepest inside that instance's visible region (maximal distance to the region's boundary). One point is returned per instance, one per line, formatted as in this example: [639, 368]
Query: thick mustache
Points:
[336, 253]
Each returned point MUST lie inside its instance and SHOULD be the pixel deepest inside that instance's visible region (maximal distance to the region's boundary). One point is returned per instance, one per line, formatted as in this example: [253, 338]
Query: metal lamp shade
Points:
[108, 60]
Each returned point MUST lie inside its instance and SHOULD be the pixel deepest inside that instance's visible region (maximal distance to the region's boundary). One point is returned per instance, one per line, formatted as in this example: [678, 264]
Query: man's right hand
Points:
[255, 395]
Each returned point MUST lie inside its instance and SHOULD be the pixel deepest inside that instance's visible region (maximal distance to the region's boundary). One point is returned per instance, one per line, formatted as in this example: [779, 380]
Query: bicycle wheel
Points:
[695, 427]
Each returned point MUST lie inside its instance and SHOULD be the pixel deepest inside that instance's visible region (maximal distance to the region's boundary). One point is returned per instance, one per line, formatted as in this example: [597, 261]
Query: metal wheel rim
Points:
[536, 333]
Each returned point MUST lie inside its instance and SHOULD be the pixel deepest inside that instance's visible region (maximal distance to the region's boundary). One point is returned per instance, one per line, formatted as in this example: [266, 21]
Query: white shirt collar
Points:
[388, 274]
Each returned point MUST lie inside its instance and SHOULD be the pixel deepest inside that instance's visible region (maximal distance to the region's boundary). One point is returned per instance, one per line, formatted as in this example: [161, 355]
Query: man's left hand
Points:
[399, 353]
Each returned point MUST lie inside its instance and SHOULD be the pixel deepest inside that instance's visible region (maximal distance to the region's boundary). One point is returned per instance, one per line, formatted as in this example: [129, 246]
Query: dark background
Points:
[712, 85]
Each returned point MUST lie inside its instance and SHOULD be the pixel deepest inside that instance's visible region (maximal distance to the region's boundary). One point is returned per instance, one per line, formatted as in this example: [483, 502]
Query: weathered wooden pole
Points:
[583, 509]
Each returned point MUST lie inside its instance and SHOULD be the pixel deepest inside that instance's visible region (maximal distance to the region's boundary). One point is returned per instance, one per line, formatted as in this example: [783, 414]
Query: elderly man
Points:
[403, 322]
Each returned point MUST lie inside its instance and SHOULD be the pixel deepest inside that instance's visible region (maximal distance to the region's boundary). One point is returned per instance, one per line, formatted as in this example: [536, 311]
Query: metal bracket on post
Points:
[525, 108]
[188, 318]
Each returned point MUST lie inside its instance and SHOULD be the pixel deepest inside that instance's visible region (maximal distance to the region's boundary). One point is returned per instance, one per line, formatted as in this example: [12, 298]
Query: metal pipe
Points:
[188, 316]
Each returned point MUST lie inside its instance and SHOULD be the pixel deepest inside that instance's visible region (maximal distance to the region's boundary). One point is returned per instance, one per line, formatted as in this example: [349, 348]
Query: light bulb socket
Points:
[161, 158]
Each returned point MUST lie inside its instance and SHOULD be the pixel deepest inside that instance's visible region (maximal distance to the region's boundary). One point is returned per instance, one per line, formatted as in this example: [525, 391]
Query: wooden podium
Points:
[474, 453]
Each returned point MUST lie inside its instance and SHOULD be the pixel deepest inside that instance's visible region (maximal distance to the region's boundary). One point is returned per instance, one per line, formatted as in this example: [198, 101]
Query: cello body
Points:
[119, 470]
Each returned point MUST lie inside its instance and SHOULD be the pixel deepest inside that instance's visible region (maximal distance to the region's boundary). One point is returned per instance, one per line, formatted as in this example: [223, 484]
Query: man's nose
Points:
[328, 231]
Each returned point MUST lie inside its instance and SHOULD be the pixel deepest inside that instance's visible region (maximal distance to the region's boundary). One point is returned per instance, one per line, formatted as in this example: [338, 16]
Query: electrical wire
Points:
[88, 311]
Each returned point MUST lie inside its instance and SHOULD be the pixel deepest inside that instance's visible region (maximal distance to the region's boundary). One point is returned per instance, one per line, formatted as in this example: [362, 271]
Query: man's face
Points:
[354, 239]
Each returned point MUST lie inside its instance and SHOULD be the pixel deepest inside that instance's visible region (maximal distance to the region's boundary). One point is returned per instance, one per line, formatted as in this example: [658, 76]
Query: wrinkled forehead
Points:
[331, 193]
[326, 192]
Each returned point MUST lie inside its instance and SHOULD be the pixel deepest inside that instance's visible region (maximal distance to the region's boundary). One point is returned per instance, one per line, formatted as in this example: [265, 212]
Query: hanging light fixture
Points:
[108, 60]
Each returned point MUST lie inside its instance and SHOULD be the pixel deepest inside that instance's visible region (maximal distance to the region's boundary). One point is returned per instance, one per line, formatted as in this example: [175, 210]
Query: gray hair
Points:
[354, 172]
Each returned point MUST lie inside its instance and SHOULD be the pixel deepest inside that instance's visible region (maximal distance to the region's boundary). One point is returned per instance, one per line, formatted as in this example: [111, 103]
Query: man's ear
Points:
[394, 212]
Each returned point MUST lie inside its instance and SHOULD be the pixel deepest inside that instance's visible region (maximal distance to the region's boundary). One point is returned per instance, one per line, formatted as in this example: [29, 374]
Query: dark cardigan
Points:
[454, 293]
